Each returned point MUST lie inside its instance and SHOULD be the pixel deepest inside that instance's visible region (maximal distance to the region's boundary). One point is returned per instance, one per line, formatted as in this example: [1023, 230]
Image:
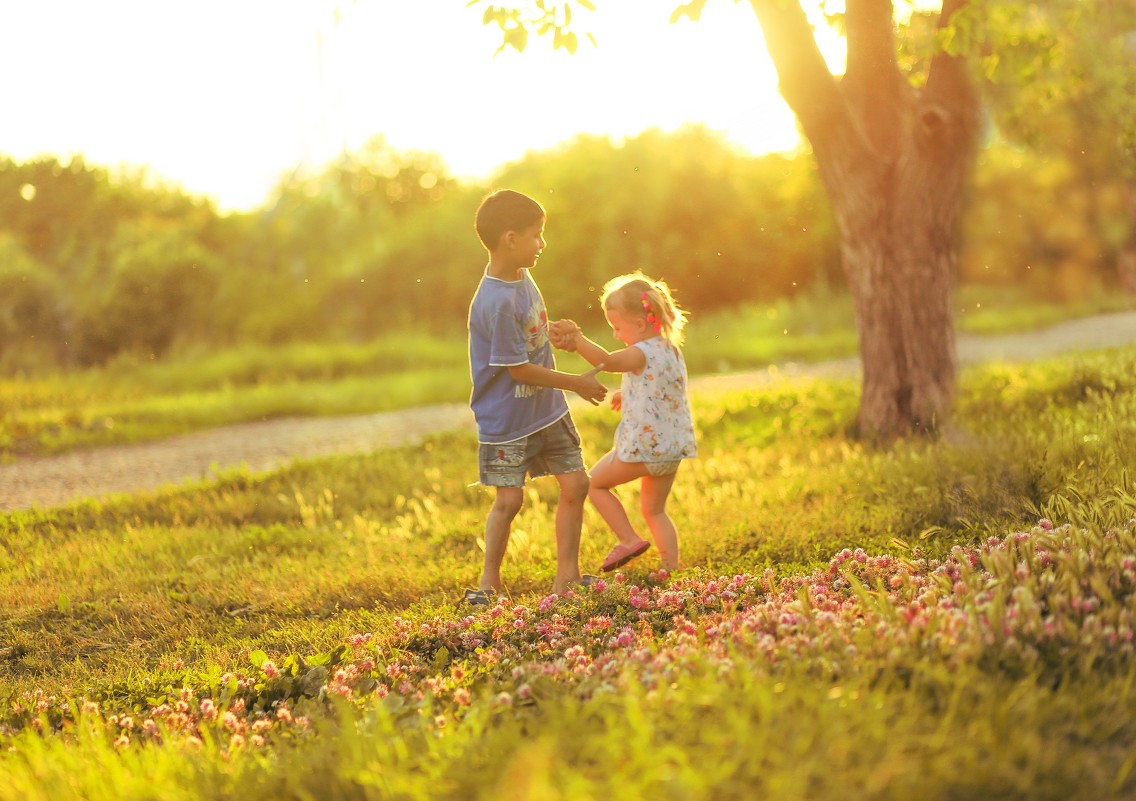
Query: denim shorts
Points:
[553, 450]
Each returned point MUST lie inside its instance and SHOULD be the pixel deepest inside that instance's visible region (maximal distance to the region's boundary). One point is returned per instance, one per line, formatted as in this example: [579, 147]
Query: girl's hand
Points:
[617, 400]
[562, 334]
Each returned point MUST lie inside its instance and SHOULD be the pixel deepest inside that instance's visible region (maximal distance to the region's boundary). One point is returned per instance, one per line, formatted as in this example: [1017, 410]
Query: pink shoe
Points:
[622, 554]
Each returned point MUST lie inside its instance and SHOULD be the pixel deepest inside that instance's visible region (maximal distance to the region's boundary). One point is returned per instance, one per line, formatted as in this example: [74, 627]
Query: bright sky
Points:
[226, 96]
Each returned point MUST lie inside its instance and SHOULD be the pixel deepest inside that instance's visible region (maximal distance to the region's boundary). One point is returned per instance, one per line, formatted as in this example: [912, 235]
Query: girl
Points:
[656, 430]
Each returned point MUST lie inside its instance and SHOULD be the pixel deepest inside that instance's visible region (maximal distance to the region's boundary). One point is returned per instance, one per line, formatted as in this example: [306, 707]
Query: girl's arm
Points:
[626, 360]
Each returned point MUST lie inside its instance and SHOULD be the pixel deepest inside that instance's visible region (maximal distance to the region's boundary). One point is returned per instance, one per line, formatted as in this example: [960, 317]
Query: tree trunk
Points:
[894, 161]
[1126, 257]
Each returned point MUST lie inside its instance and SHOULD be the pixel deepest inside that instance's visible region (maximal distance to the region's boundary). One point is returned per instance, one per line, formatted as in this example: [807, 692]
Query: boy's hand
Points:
[617, 400]
[562, 334]
[590, 388]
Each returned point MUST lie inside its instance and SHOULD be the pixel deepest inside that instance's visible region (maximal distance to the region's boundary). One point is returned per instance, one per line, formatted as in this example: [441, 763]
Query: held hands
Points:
[590, 388]
[562, 334]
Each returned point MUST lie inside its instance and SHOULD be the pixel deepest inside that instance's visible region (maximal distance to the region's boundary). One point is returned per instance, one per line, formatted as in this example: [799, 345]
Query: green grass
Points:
[961, 652]
[133, 401]
[1003, 310]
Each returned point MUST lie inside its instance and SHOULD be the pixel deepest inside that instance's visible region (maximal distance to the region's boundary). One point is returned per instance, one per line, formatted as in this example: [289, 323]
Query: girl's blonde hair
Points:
[637, 295]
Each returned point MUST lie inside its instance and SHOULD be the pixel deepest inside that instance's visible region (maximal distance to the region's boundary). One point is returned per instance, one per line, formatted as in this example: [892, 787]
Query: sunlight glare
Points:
[226, 98]
[644, 73]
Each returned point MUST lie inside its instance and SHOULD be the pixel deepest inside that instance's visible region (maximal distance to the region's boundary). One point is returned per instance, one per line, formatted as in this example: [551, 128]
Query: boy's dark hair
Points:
[505, 210]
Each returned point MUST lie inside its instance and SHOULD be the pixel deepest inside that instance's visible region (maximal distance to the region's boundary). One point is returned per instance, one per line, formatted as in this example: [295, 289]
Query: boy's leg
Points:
[653, 494]
[560, 455]
[569, 521]
[503, 468]
[497, 528]
[607, 473]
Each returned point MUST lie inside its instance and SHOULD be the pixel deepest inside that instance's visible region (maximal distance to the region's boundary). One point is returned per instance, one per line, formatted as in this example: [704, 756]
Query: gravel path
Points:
[58, 480]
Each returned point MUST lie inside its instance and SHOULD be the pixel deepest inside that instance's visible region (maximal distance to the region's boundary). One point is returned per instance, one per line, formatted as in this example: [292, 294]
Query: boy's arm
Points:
[626, 360]
[585, 385]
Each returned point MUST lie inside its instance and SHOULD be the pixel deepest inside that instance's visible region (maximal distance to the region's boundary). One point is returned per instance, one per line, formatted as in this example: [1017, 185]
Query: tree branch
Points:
[950, 98]
[871, 43]
[805, 81]
[873, 83]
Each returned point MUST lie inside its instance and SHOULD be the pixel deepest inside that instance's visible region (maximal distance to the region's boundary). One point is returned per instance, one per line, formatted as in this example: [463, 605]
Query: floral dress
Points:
[656, 425]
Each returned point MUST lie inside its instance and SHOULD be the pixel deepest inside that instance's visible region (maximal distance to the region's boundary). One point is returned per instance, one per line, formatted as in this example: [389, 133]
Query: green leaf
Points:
[517, 37]
[258, 658]
[312, 681]
[366, 685]
[691, 10]
[332, 657]
[63, 604]
[990, 66]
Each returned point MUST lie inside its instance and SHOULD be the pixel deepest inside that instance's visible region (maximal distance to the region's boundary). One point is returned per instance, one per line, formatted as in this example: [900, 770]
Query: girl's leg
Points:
[653, 493]
[569, 520]
[610, 472]
[497, 528]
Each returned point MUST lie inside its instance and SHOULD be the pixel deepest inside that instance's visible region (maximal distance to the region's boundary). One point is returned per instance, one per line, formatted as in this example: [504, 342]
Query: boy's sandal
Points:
[622, 554]
[479, 597]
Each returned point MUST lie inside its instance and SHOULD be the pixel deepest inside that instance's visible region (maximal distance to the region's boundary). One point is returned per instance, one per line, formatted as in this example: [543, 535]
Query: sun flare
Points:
[643, 73]
[227, 110]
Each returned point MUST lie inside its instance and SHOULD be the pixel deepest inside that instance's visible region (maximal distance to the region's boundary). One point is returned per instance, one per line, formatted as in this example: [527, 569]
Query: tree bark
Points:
[894, 161]
[1126, 257]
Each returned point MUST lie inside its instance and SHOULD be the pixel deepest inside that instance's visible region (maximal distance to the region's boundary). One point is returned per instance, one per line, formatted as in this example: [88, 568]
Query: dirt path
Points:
[57, 480]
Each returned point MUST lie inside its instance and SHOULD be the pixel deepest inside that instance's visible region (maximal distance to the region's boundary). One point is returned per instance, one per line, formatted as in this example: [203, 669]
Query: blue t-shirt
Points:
[508, 326]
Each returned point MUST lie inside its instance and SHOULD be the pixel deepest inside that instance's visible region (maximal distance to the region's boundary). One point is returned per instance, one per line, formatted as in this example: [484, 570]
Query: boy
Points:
[518, 401]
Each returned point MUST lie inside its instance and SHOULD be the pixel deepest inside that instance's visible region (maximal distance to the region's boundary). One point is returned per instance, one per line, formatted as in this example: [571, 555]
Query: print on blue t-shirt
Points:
[508, 326]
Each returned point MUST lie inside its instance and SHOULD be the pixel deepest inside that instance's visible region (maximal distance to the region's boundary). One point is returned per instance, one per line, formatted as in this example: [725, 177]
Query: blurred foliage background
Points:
[100, 267]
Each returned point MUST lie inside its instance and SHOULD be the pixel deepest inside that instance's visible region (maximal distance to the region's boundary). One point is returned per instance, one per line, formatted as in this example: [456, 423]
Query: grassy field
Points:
[940, 620]
[133, 400]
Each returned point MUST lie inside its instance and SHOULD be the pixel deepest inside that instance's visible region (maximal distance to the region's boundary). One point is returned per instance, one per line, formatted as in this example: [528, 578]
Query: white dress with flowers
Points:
[656, 425]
